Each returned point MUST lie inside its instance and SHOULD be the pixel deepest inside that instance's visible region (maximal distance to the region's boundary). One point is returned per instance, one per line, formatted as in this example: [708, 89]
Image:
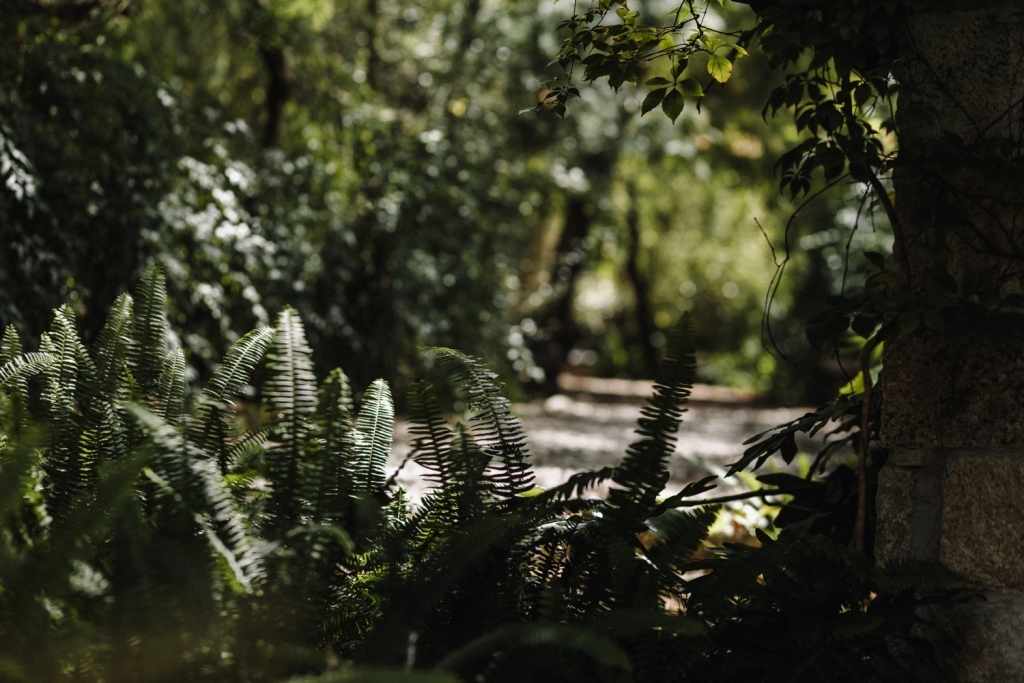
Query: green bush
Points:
[151, 534]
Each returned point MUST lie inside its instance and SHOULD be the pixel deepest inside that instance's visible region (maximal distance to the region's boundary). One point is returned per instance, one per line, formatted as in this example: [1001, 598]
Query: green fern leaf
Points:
[170, 387]
[374, 433]
[674, 536]
[14, 372]
[150, 331]
[192, 483]
[644, 472]
[496, 431]
[290, 392]
[209, 429]
[333, 472]
[105, 436]
[60, 399]
[432, 436]
[16, 384]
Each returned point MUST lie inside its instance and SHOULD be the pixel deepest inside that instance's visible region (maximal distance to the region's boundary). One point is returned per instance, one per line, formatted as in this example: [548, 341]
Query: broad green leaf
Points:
[678, 67]
[739, 50]
[658, 80]
[720, 68]
[691, 88]
[672, 105]
[652, 100]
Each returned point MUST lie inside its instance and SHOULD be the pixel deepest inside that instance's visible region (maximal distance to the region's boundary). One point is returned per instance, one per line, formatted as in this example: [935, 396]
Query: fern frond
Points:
[170, 388]
[232, 376]
[674, 536]
[471, 490]
[497, 432]
[576, 484]
[290, 392]
[150, 331]
[374, 433]
[15, 372]
[112, 353]
[333, 470]
[208, 429]
[432, 436]
[105, 436]
[643, 473]
[10, 345]
[193, 483]
[14, 380]
[59, 397]
[243, 450]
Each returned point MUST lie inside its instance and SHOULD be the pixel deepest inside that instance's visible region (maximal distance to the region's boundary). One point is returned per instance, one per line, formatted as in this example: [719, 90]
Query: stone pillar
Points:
[953, 411]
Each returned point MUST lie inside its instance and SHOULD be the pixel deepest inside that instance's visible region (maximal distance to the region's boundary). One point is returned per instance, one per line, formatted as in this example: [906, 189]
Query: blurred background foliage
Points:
[366, 162]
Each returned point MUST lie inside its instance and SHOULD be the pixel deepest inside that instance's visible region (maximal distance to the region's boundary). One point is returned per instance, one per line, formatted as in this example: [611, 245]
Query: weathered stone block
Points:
[983, 509]
[892, 506]
[987, 638]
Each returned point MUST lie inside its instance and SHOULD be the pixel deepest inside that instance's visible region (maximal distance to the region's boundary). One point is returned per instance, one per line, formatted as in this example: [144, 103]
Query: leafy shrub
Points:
[148, 536]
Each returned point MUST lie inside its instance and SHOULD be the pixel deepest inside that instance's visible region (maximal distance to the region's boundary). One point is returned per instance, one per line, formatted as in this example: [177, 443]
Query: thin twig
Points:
[865, 420]
[760, 493]
[902, 246]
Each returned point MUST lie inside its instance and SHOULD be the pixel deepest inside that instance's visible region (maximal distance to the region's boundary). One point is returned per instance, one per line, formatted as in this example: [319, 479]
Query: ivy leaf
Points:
[720, 68]
[652, 100]
[672, 105]
[691, 88]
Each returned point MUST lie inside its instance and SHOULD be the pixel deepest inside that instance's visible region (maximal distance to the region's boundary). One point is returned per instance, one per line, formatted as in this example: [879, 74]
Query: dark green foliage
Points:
[152, 536]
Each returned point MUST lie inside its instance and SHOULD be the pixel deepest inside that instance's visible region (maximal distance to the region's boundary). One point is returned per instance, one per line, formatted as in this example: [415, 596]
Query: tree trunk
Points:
[278, 90]
[644, 311]
[558, 330]
[953, 412]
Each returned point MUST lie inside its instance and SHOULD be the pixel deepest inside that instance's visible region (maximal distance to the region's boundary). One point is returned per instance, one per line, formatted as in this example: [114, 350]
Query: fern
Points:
[496, 431]
[644, 472]
[432, 436]
[291, 394]
[208, 429]
[149, 332]
[104, 435]
[15, 372]
[334, 438]
[190, 483]
[262, 555]
[60, 398]
[170, 387]
[374, 432]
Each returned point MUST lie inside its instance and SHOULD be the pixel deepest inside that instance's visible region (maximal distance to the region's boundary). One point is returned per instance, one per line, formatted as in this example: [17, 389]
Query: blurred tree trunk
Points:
[374, 62]
[278, 89]
[262, 26]
[641, 288]
[953, 412]
[558, 332]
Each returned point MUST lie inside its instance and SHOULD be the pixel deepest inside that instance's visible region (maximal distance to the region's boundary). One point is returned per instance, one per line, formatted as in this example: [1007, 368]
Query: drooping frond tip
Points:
[494, 428]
